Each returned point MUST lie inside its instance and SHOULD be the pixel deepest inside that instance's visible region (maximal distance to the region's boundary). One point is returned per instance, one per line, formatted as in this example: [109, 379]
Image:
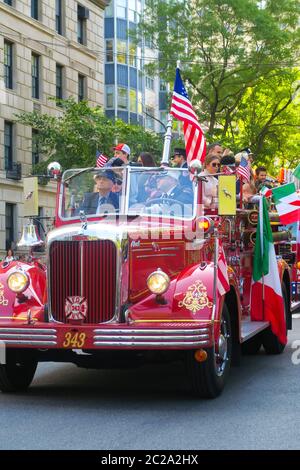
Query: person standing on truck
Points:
[210, 187]
[121, 156]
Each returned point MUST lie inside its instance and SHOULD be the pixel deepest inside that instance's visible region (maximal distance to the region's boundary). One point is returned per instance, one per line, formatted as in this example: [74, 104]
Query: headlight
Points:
[158, 282]
[18, 282]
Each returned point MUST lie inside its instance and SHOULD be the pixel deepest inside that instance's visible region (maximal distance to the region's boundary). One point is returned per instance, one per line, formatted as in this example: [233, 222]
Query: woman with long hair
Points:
[210, 188]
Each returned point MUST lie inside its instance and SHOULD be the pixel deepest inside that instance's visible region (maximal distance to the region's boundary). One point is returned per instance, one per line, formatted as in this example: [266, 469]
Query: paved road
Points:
[150, 408]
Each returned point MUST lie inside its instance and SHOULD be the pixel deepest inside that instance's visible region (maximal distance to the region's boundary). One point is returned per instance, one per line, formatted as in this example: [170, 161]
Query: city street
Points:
[150, 408]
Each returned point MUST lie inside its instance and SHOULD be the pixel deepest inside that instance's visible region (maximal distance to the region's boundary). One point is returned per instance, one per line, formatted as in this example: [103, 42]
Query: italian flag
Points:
[266, 294]
[287, 203]
[267, 192]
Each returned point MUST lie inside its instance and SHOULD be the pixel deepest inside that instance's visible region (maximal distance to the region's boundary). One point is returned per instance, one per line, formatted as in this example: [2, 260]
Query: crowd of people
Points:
[217, 160]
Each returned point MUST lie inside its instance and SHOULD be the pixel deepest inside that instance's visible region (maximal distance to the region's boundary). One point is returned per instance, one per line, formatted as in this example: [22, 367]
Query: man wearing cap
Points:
[167, 184]
[121, 156]
[179, 161]
[103, 199]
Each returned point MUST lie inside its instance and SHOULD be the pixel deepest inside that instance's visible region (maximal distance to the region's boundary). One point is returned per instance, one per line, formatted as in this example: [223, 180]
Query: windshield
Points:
[129, 190]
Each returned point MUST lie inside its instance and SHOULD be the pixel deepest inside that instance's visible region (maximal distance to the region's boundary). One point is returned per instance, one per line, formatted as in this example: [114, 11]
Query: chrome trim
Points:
[30, 343]
[37, 337]
[27, 330]
[152, 330]
[187, 344]
[134, 338]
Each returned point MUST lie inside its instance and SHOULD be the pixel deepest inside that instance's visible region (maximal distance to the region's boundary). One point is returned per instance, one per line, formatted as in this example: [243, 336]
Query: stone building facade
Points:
[47, 49]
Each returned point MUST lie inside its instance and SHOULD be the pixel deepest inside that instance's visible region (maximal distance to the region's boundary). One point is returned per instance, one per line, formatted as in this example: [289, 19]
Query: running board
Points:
[251, 328]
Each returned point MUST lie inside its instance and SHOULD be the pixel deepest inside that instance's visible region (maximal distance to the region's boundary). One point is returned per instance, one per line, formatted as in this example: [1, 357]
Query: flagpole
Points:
[168, 135]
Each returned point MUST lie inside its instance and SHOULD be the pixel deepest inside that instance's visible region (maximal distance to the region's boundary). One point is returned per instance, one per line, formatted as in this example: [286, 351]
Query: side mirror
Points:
[54, 170]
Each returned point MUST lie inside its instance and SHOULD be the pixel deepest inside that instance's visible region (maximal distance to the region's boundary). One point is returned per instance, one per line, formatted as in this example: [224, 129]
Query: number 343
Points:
[74, 340]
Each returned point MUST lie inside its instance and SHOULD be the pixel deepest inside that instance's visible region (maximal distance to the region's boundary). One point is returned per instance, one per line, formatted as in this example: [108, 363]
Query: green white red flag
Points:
[266, 293]
[287, 203]
[267, 192]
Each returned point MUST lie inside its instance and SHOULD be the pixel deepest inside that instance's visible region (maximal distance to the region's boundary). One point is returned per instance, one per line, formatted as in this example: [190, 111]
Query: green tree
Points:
[226, 48]
[73, 137]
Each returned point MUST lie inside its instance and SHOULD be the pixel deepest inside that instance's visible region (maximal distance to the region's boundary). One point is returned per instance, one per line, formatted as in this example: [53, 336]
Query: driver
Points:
[167, 184]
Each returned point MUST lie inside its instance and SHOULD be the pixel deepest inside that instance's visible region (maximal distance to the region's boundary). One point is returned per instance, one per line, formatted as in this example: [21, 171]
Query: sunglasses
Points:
[215, 164]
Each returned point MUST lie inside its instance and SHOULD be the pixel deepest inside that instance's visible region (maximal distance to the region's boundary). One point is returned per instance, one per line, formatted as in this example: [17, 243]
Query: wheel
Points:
[18, 372]
[270, 342]
[208, 378]
[252, 346]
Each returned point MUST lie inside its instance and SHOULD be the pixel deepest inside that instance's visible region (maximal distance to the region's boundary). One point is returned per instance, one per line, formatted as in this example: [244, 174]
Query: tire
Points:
[18, 372]
[208, 378]
[270, 341]
[252, 346]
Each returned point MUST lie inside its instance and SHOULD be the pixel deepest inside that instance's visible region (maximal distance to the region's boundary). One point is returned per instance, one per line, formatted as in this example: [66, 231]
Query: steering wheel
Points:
[161, 201]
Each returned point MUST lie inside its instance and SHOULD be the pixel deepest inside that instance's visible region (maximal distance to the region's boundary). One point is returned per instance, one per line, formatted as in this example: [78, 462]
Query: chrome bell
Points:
[30, 236]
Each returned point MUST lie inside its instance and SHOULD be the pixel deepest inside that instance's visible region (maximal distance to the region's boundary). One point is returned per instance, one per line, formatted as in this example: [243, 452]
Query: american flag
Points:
[182, 109]
[100, 159]
[243, 169]
[223, 281]
[227, 170]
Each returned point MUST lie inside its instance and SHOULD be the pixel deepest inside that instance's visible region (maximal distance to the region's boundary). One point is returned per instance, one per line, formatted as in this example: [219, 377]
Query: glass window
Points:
[122, 98]
[59, 81]
[109, 50]
[109, 11]
[35, 9]
[132, 55]
[8, 2]
[110, 97]
[132, 16]
[121, 8]
[35, 147]
[58, 16]
[9, 225]
[149, 83]
[132, 99]
[140, 103]
[8, 145]
[121, 52]
[82, 15]
[8, 64]
[149, 119]
[35, 76]
[81, 87]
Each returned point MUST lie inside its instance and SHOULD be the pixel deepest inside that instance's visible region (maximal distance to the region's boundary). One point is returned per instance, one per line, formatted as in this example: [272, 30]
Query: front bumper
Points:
[109, 336]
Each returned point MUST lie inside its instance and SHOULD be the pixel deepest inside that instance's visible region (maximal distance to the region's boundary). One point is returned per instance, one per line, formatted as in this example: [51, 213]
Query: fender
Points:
[15, 306]
[189, 298]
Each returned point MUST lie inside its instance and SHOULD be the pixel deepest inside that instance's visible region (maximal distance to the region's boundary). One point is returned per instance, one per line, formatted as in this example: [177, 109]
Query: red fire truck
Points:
[128, 281]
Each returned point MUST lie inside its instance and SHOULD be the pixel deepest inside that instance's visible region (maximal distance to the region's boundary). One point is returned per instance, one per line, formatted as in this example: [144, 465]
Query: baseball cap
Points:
[109, 174]
[179, 151]
[123, 148]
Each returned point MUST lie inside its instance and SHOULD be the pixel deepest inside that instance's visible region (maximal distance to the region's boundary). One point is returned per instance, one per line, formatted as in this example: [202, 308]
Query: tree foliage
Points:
[229, 50]
[73, 137]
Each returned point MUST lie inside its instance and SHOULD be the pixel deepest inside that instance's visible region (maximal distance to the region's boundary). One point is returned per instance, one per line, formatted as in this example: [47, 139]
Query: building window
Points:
[149, 83]
[109, 11]
[35, 147]
[58, 16]
[82, 16]
[149, 119]
[132, 101]
[35, 76]
[109, 50]
[9, 225]
[59, 81]
[35, 9]
[8, 145]
[132, 13]
[8, 64]
[8, 2]
[132, 55]
[121, 52]
[122, 98]
[81, 87]
[110, 97]
[121, 8]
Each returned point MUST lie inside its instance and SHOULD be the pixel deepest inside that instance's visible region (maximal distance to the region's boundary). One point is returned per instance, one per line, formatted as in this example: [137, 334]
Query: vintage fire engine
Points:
[137, 281]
